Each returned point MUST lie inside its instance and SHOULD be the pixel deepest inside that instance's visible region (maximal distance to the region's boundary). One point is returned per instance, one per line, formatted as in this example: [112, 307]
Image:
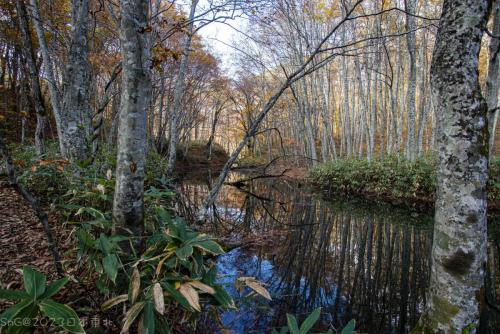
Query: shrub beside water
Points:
[390, 178]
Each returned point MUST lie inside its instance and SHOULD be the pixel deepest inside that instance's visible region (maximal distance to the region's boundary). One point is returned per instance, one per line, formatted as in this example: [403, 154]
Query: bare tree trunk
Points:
[36, 92]
[76, 112]
[48, 71]
[128, 205]
[412, 78]
[456, 292]
[345, 87]
[492, 81]
[179, 91]
[423, 98]
[219, 106]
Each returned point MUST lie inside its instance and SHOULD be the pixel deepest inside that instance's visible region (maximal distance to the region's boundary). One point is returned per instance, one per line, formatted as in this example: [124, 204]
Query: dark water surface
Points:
[367, 262]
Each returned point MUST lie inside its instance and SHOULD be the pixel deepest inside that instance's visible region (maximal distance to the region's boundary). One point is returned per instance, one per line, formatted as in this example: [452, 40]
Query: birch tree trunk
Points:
[36, 92]
[492, 81]
[128, 205]
[424, 106]
[412, 78]
[345, 87]
[76, 112]
[179, 90]
[456, 291]
[48, 70]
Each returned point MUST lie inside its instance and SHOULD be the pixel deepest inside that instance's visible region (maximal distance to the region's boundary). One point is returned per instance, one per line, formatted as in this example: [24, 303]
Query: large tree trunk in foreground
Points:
[456, 291]
[128, 206]
[76, 112]
[36, 92]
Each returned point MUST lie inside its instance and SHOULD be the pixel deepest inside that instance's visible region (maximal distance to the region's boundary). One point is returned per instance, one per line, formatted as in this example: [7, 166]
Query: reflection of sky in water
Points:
[255, 315]
[306, 247]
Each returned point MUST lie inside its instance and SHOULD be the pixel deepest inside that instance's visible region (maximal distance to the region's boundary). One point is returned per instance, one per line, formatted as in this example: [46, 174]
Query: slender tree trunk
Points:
[48, 71]
[456, 292]
[423, 98]
[345, 87]
[492, 81]
[128, 205]
[179, 91]
[412, 78]
[36, 92]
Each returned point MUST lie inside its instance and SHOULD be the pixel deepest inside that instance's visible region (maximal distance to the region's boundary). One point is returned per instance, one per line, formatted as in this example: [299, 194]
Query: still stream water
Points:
[367, 262]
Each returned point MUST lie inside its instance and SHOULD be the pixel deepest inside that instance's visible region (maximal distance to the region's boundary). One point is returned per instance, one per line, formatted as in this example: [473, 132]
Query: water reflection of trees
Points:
[356, 261]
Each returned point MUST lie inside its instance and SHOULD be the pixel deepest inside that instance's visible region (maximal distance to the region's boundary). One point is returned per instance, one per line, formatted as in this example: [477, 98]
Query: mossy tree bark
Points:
[456, 288]
[128, 205]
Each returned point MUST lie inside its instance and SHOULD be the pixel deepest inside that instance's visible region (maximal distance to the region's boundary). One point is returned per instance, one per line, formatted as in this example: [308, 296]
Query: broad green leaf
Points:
[184, 252]
[13, 294]
[176, 295]
[292, 324]
[309, 322]
[210, 276]
[118, 238]
[105, 244]
[62, 315]
[148, 319]
[223, 297]
[13, 311]
[27, 319]
[54, 288]
[85, 238]
[284, 330]
[34, 282]
[110, 264]
[164, 215]
[209, 246]
[349, 328]
[131, 315]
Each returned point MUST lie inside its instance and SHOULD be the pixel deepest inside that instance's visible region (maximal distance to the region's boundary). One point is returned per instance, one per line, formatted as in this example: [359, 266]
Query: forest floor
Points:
[24, 243]
[22, 240]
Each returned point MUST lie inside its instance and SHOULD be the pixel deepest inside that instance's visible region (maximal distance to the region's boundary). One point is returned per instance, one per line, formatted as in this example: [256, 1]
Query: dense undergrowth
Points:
[166, 284]
[391, 178]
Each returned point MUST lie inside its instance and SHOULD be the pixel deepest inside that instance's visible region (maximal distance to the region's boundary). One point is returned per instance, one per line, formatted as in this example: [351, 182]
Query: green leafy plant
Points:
[35, 301]
[392, 177]
[308, 324]
[174, 270]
